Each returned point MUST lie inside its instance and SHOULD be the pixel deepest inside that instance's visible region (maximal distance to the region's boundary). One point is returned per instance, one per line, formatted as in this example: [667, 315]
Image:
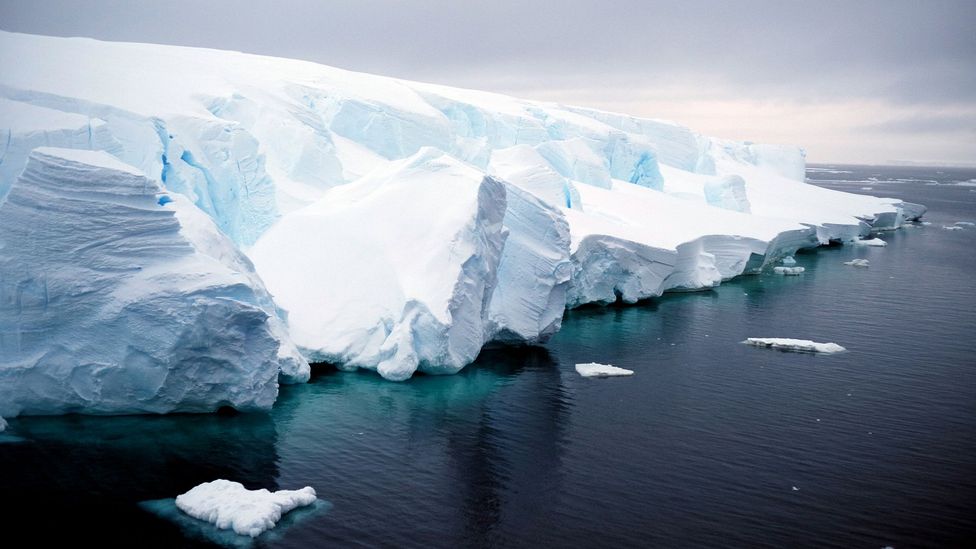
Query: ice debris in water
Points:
[593, 369]
[871, 242]
[788, 271]
[858, 263]
[788, 261]
[788, 344]
[952, 227]
[3, 425]
[966, 223]
[230, 506]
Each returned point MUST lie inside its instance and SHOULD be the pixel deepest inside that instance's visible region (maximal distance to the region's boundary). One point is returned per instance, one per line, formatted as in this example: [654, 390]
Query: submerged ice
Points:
[399, 226]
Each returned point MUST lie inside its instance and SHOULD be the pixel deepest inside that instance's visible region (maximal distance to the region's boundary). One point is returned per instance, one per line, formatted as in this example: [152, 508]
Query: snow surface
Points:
[594, 369]
[803, 345]
[229, 506]
[124, 299]
[404, 225]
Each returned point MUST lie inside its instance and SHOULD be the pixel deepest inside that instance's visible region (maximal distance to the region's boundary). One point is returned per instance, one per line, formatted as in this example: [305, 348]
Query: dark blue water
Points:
[702, 447]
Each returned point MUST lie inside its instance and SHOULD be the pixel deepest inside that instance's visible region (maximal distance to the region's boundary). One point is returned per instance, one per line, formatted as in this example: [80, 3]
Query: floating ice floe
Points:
[788, 261]
[229, 506]
[788, 344]
[871, 242]
[952, 227]
[593, 369]
[858, 263]
[789, 271]
[965, 223]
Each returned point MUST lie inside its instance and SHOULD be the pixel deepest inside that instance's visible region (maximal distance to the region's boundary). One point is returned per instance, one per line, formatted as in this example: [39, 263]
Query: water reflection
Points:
[87, 474]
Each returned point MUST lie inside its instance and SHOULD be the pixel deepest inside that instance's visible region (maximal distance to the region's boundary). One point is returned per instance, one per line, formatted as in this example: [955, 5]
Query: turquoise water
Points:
[704, 445]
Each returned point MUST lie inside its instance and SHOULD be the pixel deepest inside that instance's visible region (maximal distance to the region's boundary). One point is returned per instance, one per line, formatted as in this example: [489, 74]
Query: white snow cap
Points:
[804, 345]
[230, 506]
[594, 369]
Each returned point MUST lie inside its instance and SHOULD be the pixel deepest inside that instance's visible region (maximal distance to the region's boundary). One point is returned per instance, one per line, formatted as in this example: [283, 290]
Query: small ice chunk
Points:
[788, 271]
[228, 505]
[871, 242]
[858, 263]
[795, 489]
[966, 223]
[866, 188]
[788, 261]
[788, 344]
[593, 369]
[952, 227]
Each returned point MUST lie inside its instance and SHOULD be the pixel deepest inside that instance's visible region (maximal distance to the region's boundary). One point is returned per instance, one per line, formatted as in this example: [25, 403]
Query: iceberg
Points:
[788, 344]
[594, 369]
[401, 225]
[118, 297]
[230, 506]
[876, 242]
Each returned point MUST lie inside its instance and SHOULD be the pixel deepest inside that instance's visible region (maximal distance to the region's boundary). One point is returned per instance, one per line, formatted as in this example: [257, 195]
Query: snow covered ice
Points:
[787, 344]
[230, 506]
[399, 226]
[594, 369]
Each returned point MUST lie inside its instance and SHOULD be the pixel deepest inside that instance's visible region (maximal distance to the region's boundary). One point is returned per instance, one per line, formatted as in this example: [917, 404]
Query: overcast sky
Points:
[851, 81]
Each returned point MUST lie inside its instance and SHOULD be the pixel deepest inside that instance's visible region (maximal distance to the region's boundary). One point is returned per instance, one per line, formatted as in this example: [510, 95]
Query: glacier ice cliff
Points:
[400, 226]
[117, 297]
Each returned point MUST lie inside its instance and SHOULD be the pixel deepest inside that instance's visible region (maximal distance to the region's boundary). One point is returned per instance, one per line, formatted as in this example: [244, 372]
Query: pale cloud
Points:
[865, 81]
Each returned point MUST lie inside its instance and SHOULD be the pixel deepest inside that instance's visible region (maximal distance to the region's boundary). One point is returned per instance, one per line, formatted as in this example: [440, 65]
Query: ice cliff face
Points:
[403, 225]
[116, 297]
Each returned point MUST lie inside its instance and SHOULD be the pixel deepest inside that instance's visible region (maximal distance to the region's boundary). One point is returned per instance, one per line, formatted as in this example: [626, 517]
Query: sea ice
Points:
[858, 263]
[877, 242]
[789, 271]
[789, 344]
[230, 506]
[593, 369]
[952, 227]
[788, 261]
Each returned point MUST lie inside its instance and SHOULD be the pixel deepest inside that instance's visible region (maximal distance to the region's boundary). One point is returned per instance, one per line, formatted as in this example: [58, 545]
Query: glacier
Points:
[117, 297]
[395, 226]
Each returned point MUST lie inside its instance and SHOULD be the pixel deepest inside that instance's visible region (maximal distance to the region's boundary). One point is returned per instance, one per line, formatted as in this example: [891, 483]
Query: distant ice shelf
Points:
[788, 344]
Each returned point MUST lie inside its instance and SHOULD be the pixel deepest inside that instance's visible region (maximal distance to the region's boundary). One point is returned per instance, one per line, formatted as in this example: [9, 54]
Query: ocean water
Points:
[711, 442]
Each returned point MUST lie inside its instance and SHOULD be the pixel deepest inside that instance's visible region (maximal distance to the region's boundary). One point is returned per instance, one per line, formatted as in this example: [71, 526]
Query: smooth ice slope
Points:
[230, 506]
[118, 298]
[401, 271]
